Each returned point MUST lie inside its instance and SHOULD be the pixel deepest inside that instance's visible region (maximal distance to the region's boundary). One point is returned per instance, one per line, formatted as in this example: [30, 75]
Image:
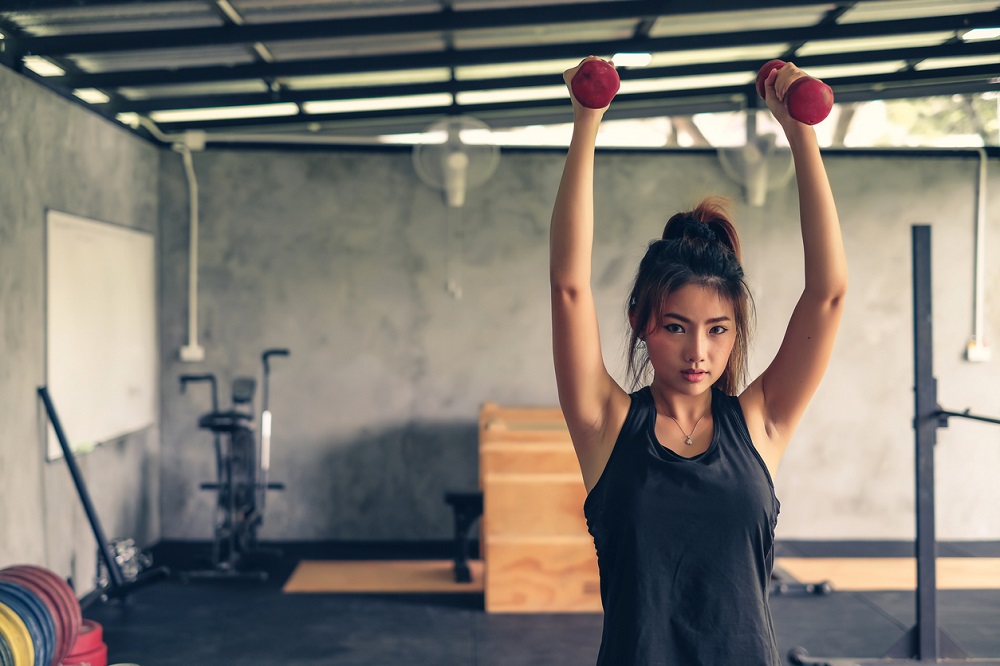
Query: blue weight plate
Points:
[45, 619]
[36, 618]
[6, 653]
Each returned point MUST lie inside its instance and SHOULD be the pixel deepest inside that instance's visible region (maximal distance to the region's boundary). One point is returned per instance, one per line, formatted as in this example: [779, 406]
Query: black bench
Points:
[467, 507]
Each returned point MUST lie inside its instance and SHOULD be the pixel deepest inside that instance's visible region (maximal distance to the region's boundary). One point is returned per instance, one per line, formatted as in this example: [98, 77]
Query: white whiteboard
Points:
[101, 354]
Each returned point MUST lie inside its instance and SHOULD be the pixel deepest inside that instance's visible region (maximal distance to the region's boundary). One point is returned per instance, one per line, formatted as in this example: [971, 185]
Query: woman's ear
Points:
[632, 322]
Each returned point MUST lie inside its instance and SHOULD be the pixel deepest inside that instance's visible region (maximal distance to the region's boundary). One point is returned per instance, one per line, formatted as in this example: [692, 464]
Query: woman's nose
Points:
[696, 349]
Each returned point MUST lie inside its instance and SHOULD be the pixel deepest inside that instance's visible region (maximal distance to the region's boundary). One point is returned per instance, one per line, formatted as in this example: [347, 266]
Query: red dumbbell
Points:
[595, 84]
[808, 100]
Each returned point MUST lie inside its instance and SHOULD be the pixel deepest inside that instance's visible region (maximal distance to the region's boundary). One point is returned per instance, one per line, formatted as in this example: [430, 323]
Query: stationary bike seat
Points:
[230, 421]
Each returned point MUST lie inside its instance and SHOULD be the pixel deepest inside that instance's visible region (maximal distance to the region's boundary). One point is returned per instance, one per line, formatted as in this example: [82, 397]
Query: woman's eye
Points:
[718, 330]
[674, 328]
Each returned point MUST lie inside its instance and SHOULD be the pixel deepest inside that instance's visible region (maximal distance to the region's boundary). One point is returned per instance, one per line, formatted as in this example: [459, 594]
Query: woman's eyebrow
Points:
[678, 317]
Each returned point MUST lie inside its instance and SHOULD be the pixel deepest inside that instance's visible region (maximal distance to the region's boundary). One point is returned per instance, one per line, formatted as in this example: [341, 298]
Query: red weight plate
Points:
[89, 638]
[97, 657]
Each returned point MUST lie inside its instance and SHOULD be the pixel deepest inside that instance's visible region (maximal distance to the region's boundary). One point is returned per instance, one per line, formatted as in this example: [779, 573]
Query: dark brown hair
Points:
[698, 247]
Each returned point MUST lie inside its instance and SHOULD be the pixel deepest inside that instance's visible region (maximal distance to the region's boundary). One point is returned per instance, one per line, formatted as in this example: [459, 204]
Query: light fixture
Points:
[470, 97]
[980, 34]
[41, 66]
[366, 79]
[970, 61]
[378, 103]
[91, 96]
[225, 113]
[632, 59]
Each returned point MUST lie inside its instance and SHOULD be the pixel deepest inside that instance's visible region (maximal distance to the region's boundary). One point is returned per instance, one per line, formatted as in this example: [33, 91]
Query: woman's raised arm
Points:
[587, 393]
[792, 378]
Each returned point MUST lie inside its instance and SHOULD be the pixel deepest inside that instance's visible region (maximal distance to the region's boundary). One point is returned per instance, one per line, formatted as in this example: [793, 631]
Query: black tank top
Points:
[685, 546]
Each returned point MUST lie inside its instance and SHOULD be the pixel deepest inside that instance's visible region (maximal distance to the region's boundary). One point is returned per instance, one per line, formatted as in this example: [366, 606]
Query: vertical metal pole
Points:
[925, 426]
[925, 642]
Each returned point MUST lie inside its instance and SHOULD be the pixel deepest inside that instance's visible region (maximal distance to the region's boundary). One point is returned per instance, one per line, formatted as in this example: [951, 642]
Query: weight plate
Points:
[6, 654]
[97, 657]
[35, 617]
[68, 601]
[39, 585]
[16, 633]
[34, 630]
[88, 639]
[45, 651]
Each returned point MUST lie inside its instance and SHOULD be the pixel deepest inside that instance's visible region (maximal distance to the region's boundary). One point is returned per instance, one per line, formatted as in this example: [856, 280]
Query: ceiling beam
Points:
[399, 62]
[386, 25]
[855, 88]
[959, 49]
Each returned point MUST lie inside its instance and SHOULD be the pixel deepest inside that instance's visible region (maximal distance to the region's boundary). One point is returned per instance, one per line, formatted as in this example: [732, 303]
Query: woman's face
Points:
[690, 339]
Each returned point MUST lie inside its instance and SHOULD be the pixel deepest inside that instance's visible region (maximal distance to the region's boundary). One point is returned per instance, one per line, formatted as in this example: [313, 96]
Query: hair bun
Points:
[689, 228]
[700, 230]
[708, 224]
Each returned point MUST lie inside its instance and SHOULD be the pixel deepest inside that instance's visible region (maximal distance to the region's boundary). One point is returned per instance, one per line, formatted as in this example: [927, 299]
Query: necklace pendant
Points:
[688, 441]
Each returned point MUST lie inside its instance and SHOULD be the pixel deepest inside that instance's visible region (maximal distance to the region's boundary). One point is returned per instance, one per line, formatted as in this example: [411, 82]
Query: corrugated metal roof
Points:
[353, 66]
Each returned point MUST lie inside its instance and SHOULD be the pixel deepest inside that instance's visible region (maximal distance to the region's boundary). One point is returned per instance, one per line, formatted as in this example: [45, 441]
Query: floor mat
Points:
[388, 576]
[893, 573]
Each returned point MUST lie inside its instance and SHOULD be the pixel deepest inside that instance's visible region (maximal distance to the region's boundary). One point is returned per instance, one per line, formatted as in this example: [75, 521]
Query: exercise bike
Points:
[242, 465]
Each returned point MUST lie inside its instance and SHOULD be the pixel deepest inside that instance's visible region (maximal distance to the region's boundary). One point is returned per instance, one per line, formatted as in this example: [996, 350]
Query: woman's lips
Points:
[694, 376]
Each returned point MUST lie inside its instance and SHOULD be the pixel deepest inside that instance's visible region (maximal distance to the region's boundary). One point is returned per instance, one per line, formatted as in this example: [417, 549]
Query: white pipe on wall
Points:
[977, 349]
[184, 143]
[192, 352]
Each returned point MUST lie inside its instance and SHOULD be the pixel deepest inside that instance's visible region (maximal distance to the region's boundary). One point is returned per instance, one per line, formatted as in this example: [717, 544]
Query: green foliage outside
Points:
[931, 118]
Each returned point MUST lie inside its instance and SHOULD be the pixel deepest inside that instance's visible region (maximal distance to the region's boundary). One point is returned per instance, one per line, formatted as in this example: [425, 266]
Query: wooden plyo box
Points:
[538, 556]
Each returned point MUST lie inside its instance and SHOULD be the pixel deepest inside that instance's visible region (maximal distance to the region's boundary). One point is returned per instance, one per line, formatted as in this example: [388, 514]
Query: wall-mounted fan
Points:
[455, 154]
[759, 165]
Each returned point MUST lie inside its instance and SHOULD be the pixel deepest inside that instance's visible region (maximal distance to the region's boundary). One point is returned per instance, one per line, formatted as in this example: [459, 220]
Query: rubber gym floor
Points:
[250, 623]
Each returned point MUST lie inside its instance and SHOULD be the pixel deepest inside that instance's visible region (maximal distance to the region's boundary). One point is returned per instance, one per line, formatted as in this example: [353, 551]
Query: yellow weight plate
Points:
[16, 633]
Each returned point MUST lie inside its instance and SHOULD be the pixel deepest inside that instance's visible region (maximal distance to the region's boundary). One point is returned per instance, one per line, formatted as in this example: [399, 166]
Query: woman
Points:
[679, 473]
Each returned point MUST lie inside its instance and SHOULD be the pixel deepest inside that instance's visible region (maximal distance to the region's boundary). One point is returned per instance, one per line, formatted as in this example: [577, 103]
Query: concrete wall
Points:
[343, 257]
[55, 155]
[850, 471]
